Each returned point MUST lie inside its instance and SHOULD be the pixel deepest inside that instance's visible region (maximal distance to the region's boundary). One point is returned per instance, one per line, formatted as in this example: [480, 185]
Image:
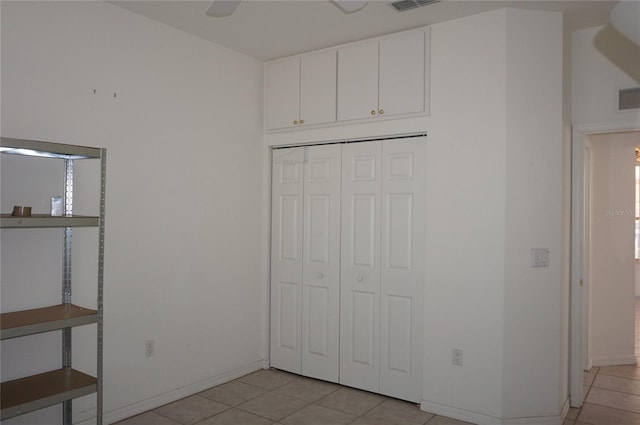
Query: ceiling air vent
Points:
[629, 99]
[402, 5]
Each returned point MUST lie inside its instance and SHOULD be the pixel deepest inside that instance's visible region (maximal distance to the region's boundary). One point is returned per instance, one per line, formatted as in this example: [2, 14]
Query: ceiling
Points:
[267, 29]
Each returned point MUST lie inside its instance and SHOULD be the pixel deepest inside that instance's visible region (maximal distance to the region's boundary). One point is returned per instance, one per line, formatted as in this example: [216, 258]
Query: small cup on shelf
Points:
[20, 211]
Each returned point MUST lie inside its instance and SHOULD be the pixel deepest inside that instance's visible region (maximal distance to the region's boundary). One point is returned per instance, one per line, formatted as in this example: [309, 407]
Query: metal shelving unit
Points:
[62, 385]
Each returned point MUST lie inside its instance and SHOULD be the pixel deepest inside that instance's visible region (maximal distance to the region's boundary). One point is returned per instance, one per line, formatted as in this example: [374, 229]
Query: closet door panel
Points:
[402, 268]
[287, 295]
[360, 269]
[321, 263]
[286, 261]
[399, 314]
[317, 318]
[363, 313]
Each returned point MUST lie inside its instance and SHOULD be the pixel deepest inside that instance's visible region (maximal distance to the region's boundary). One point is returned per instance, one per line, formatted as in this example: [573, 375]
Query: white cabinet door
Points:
[402, 74]
[286, 258]
[360, 268]
[402, 253]
[358, 81]
[282, 93]
[321, 263]
[318, 88]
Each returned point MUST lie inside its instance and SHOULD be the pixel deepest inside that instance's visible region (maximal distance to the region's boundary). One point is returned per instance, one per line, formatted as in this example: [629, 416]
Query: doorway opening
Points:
[592, 330]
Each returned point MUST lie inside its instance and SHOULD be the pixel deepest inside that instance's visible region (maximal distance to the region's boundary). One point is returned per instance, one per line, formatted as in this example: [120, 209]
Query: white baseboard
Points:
[176, 394]
[480, 419]
[565, 409]
[613, 360]
[538, 420]
[459, 414]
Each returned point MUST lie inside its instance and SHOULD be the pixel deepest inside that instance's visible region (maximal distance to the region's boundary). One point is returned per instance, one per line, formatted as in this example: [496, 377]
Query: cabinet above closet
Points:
[384, 77]
[301, 90]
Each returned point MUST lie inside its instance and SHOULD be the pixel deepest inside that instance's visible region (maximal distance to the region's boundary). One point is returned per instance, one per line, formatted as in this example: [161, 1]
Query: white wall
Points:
[611, 241]
[466, 173]
[534, 301]
[508, 132]
[183, 195]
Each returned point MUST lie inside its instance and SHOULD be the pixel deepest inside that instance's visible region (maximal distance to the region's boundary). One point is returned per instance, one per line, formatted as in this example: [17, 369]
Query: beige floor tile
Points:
[602, 415]
[587, 378]
[308, 389]
[352, 401]
[631, 372]
[616, 383]
[441, 420]
[396, 412]
[235, 417]
[233, 393]
[190, 410]
[269, 379]
[273, 406]
[568, 422]
[147, 418]
[318, 415]
[614, 399]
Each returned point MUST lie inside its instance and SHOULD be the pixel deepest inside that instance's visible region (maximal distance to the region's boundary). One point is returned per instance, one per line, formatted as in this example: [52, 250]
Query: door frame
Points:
[579, 359]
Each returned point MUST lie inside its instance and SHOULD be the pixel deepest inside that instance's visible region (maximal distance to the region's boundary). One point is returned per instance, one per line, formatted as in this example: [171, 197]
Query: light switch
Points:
[540, 257]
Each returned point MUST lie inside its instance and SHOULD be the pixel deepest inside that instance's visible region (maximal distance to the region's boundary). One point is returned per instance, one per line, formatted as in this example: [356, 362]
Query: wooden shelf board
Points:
[46, 389]
[7, 221]
[46, 319]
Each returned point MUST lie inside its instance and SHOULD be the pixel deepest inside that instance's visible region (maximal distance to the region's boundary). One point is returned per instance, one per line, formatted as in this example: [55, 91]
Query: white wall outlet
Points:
[456, 357]
[539, 257]
[149, 347]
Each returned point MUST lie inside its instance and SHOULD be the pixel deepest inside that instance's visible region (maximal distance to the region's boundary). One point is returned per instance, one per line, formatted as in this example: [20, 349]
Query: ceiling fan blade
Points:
[349, 6]
[221, 8]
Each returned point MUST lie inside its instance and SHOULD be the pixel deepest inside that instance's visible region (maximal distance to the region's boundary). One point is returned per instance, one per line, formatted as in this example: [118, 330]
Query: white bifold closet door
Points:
[347, 264]
[305, 264]
[382, 268]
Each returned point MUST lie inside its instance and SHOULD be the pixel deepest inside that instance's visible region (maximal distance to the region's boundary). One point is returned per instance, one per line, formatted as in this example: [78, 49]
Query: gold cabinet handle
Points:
[301, 121]
[381, 111]
[373, 112]
[295, 122]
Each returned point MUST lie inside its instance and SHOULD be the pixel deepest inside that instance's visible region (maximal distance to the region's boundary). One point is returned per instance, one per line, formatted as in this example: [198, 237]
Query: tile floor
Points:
[612, 397]
[612, 393]
[272, 397]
